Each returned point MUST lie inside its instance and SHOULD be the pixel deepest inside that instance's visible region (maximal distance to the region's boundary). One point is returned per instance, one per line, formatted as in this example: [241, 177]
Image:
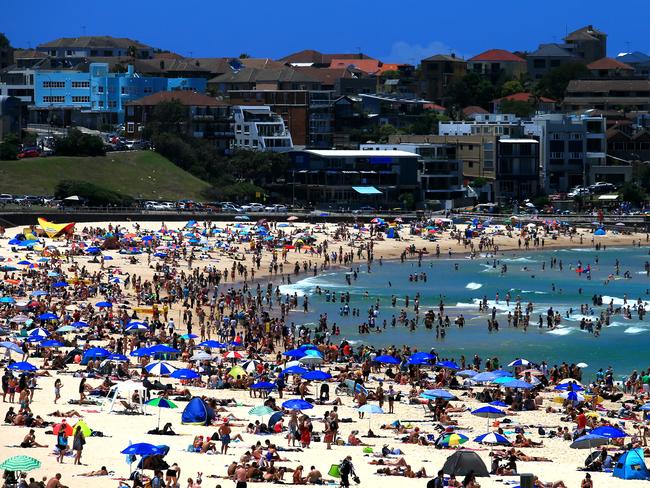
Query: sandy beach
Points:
[119, 429]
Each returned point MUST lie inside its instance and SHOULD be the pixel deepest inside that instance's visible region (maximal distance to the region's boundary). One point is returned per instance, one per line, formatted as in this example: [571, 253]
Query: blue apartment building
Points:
[97, 97]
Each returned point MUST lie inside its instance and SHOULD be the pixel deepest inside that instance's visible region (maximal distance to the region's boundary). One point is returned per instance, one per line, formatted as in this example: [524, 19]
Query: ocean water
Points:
[461, 283]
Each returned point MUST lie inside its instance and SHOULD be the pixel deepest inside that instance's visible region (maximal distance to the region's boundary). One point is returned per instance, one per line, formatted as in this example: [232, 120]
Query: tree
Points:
[76, 143]
[554, 83]
[517, 107]
[169, 117]
[9, 148]
[132, 51]
[632, 193]
[94, 195]
[244, 56]
[4, 41]
[512, 86]
[471, 89]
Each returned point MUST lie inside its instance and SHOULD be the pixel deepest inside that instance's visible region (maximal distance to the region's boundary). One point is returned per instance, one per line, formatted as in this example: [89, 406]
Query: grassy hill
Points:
[140, 174]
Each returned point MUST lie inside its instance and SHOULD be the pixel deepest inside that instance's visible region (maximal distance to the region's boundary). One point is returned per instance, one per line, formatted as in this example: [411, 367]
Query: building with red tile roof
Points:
[497, 55]
[542, 104]
[494, 63]
[609, 68]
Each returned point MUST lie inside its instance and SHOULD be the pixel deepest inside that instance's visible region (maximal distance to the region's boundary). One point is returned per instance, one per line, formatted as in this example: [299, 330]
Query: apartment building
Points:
[257, 128]
[438, 72]
[95, 46]
[206, 117]
[440, 173]
[495, 63]
[97, 97]
[628, 95]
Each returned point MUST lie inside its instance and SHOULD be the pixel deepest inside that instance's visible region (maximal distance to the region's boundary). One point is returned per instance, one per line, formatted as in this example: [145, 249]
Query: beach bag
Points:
[367, 450]
[334, 471]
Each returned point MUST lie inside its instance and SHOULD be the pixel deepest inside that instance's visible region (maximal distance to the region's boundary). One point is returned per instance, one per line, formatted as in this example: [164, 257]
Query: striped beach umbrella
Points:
[453, 440]
[492, 438]
[160, 368]
[20, 463]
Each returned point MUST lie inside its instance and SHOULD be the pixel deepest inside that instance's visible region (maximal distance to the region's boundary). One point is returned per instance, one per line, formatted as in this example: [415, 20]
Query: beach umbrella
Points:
[386, 359]
[51, 343]
[159, 368]
[370, 409]
[492, 438]
[261, 411]
[233, 355]
[67, 428]
[117, 357]
[294, 353]
[212, 345]
[447, 364]
[39, 293]
[297, 404]
[517, 384]
[501, 372]
[295, 370]
[187, 337]
[467, 373]
[437, 393]
[60, 284]
[66, 328]
[237, 371]
[582, 365]
[311, 359]
[140, 352]
[418, 361]
[184, 374]
[200, 356]
[97, 353]
[485, 377]
[263, 385]
[488, 412]
[7, 300]
[644, 408]
[20, 319]
[48, 316]
[141, 449]
[589, 441]
[161, 402]
[38, 333]
[573, 396]
[519, 362]
[316, 375]
[79, 324]
[20, 463]
[453, 440]
[569, 387]
[22, 366]
[609, 432]
[103, 304]
[11, 346]
[497, 403]
[250, 366]
[161, 349]
[135, 327]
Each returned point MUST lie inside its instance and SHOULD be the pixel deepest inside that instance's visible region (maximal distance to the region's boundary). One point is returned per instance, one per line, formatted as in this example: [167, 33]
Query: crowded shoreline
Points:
[256, 335]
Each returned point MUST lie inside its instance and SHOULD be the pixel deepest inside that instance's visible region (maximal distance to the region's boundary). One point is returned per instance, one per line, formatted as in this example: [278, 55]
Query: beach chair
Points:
[130, 408]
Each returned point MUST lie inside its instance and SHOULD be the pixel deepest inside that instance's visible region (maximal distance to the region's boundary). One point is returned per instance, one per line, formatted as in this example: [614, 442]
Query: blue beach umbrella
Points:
[519, 362]
[11, 346]
[48, 316]
[589, 441]
[51, 343]
[79, 324]
[140, 352]
[263, 385]
[159, 368]
[467, 373]
[185, 374]
[7, 300]
[38, 333]
[295, 370]
[135, 327]
[485, 377]
[103, 304]
[386, 359]
[212, 345]
[141, 449]
[609, 432]
[517, 384]
[117, 357]
[39, 293]
[60, 284]
[447, 364]
[294, 353]
[97, 353]
[22, 366]
[497, 403]
[369, 408]
[316, 375]
[297, 404]
[438, 393]
[569, 387]
[501, 372]
[488, 412]
[492, 438]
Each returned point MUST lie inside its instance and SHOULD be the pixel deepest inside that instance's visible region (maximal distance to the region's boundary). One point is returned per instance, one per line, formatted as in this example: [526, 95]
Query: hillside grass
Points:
[139, 174]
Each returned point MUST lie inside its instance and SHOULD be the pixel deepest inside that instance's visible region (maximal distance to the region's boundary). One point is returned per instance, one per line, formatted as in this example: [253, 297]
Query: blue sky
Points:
[393, 31]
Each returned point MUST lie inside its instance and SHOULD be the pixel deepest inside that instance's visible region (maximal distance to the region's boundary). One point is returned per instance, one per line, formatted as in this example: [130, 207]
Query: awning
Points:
[608, 197]
[366, 190]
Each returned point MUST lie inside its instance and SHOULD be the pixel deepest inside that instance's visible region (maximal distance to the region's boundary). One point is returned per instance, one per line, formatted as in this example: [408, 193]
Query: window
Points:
[80, 99]
[53, 52]
[81, 84]
[54, 99]
[148, 89]
[112, 104]
[108, 52]
[100, 88]
[54, 84]
[539, 63]
[68, 52]
[130, 126]
[101, 103]
[130, 111]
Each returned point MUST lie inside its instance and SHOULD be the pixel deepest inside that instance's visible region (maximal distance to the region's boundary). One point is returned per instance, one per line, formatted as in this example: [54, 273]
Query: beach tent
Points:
[274, 419]
[197, 413]
[87, 431]
[631, 466]
[463, 462]
[55, 230]
[125, 391]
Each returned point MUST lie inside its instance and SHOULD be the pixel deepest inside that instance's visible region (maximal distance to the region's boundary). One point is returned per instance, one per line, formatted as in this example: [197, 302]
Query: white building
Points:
[256, 128]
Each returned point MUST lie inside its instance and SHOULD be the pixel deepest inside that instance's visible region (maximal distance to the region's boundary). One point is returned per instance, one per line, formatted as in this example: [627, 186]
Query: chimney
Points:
[162, 64]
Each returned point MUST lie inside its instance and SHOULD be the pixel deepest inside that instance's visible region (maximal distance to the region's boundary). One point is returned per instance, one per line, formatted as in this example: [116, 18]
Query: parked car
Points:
[230, 207]
[252, 207]
[6, 198]
[276, 208]
[364, 210]
[602, 187]
[579, 191]
[29, 152]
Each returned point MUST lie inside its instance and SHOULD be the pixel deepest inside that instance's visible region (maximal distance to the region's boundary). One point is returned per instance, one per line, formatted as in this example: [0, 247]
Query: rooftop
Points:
[551, 51]
[369, 66]
[94, 42]
[609, 64]
[605, 86]
[444, 57]
[497, 55]
[255, 75]
[185, 97]
[585, 33]
[356, 153]
[524, 97]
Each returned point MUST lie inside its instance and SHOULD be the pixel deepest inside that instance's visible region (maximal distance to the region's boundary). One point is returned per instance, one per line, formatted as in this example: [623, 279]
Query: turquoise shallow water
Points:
[624, 344]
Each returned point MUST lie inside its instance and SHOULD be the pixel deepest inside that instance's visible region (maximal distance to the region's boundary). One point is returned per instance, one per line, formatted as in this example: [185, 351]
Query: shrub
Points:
[76, 143]
[94, 195]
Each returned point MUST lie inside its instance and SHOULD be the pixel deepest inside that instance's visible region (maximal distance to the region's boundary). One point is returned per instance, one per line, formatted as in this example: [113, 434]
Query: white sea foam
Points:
[519, 260]
[473, 286]
[634, 330]
[561, 331]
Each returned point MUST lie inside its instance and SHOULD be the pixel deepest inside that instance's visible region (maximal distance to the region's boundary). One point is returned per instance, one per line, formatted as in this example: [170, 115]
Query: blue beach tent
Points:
[197, 413]
[631, 466]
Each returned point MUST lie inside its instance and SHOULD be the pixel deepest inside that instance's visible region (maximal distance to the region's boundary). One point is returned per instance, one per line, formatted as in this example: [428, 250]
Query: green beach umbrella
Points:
[161, 402]
[20, 463]
[261, 410]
